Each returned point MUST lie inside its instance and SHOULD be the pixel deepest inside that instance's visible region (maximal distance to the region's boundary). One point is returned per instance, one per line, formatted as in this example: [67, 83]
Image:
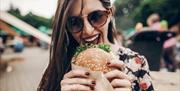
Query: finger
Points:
[76, 87]
[117, 74]
[121, 83]
[77, 73]
[82, 81]
[117, 64]
[122, 89]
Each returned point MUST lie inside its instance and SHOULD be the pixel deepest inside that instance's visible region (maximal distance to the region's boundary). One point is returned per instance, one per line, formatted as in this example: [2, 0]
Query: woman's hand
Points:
[119, 80]
[77, 80]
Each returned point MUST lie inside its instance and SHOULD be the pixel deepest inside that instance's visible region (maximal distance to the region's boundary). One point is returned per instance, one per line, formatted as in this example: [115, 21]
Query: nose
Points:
[87, 29]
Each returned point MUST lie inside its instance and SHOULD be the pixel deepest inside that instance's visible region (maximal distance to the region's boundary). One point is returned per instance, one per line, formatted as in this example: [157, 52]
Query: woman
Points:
[89, 21]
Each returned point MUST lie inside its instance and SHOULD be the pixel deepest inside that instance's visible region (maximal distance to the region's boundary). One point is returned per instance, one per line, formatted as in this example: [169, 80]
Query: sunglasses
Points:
[96, 18]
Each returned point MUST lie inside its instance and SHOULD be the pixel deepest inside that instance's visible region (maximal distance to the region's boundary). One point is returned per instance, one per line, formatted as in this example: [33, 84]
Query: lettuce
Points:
[82, 48]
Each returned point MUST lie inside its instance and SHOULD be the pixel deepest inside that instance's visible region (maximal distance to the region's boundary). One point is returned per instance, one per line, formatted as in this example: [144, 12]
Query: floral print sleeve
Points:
[136, 67]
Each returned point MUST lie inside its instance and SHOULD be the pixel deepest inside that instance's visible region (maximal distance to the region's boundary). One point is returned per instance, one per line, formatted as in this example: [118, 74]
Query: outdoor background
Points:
[24, 55]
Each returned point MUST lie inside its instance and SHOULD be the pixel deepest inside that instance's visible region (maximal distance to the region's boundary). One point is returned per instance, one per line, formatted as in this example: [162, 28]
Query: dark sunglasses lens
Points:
[74, 24]
[98, 18]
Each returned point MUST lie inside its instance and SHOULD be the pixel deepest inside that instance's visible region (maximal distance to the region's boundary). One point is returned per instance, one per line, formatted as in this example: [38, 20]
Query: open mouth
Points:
[93, 39]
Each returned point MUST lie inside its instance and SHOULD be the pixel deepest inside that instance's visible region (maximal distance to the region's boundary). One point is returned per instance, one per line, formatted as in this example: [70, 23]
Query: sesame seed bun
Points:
[94, 59]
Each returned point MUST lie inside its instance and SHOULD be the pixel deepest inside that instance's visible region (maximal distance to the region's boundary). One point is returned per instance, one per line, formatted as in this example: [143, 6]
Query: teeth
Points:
[91, 39]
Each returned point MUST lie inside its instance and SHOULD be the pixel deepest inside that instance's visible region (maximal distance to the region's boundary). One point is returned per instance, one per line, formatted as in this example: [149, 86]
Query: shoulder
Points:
[132, 59]
[137, 68]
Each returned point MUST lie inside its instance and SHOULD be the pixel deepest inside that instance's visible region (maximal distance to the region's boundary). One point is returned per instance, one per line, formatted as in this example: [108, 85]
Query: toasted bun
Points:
[94, 59]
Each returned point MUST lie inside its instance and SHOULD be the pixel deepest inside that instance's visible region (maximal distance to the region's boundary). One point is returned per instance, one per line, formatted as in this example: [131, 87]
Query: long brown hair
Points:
[63, 46]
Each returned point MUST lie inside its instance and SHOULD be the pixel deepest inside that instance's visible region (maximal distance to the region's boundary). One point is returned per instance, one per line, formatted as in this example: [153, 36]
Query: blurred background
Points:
[150, 27]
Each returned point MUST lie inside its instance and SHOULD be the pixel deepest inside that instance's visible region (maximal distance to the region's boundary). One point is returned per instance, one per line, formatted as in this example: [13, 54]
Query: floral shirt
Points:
[136, 67]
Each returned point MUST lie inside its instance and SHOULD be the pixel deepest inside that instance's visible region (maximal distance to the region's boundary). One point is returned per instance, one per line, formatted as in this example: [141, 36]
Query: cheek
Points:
[104, 29]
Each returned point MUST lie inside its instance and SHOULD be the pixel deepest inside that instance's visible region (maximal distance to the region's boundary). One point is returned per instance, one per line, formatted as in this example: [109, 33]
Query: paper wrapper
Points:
[102, 84]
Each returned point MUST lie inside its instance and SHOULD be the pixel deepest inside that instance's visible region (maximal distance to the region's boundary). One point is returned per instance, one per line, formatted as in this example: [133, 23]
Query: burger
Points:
[93, 57]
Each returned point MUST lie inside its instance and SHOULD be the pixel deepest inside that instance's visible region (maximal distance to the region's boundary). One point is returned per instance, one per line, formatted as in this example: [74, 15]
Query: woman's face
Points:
[88, 21]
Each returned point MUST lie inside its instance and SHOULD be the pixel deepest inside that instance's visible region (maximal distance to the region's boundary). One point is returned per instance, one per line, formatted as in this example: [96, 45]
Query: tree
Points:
[124, 9]
[30, 18]
[15, 11]
[129, 12]
[166, 8]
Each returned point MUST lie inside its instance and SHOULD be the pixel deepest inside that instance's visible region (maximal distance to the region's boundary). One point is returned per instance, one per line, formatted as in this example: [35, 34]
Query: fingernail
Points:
[92, 88]
[87, 73]
[93, 82]
[108, 63]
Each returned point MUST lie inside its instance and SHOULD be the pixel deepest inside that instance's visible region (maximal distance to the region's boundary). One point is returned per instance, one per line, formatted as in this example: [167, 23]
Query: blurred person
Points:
[154, 23]
[152, 19]
[9, 41]
[18, 44]
[176, 28]
[1, 47]
[138, 27]
[172, 46]
[177, 52]
[3, 65]
[43, 45]
[164, 25]
[169, 54]
[1, 43]
[90, 21]
[4, 37]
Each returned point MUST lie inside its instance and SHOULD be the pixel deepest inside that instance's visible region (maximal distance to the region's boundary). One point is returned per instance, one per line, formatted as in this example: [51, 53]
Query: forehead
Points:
[85, 6]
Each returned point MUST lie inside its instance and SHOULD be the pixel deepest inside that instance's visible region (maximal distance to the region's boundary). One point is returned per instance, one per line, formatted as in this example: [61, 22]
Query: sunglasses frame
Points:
[106, 12]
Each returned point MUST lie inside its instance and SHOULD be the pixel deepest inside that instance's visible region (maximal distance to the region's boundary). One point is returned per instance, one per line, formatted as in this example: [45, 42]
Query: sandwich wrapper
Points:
[102, 84]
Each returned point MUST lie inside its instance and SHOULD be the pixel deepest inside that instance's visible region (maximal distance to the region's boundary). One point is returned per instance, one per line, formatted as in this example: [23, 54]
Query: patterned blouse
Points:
[136, 67]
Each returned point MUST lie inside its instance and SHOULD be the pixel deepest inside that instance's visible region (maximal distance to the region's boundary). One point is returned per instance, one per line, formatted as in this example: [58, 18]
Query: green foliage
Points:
[129, 12]
[83, 47]
[125, 7]
[123, 14]
[15, 11]
[30, 18]
[37, 21]
[166, 8]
